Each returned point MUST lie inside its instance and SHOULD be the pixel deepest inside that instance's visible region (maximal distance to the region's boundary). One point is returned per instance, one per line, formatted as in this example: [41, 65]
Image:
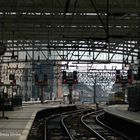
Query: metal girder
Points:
[63, 52]
[56, 4]
[84, 26]
[101, 76]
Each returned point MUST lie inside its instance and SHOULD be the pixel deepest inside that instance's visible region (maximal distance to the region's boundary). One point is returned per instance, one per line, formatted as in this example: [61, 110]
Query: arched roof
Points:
[86, 31]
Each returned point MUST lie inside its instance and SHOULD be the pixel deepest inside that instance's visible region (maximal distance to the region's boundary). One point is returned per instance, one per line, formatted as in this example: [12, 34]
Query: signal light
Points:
[75, 81]
[64, 81]
[36, 79]
[45, 79]
[64, 75]
[74, 74]
[129, 76]
[118, 78]
[129, 80]
[64, 78]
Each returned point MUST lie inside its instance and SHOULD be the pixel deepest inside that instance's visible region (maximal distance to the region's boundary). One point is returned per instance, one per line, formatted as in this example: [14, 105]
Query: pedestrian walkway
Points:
[122, 112]
[19, 122]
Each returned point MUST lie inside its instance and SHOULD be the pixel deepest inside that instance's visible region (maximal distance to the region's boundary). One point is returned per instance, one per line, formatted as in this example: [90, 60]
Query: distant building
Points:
[23, 77]
[49, 89]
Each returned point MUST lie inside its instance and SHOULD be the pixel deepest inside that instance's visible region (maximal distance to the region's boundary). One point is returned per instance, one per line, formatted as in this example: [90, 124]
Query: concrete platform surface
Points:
[122, 112]
[19, 122]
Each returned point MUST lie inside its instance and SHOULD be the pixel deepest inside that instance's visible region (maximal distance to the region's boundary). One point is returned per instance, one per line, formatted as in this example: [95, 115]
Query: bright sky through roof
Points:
[94, 66]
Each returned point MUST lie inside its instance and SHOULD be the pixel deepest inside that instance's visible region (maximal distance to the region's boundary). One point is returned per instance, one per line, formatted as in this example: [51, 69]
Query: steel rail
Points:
[65, 117]
[113, 130]
[103, 125]
[102, 138]
[61, 114]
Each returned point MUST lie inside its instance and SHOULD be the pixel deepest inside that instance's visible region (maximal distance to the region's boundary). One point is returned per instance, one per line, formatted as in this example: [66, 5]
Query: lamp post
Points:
[42, 94]
[94, 91]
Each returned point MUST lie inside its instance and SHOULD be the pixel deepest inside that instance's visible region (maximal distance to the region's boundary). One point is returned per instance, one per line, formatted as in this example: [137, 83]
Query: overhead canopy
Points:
[70, 30]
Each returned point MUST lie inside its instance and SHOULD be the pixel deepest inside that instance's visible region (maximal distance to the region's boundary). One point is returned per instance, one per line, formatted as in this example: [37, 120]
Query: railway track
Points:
[55, 128]
[80, 125]
[76, 129]
[104, 132]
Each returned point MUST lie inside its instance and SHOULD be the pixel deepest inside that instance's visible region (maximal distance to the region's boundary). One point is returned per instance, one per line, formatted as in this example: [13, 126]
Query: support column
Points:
[42, 95]
[70, 94]
[94, 92]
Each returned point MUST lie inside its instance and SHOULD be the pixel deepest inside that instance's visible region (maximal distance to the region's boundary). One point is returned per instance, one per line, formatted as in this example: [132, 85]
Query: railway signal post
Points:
[69, 79]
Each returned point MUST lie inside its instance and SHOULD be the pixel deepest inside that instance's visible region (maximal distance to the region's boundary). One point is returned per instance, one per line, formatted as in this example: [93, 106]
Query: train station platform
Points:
[19, 122]
[122, 112]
